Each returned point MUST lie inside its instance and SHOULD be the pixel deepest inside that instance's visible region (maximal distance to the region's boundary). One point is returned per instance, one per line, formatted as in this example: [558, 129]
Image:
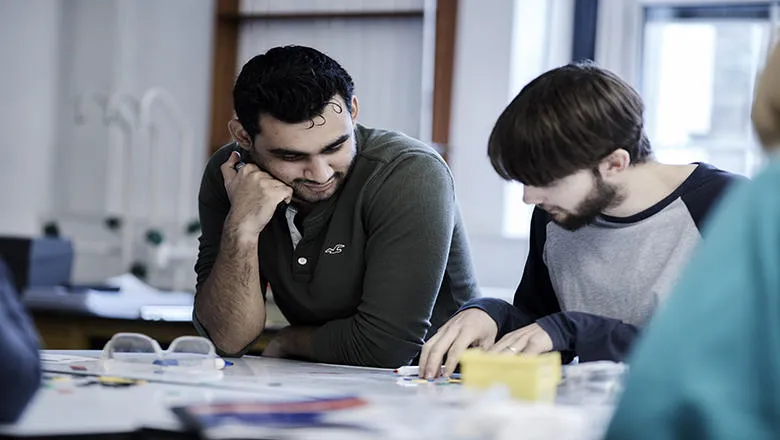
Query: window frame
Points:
[228, 19]
[620, 43]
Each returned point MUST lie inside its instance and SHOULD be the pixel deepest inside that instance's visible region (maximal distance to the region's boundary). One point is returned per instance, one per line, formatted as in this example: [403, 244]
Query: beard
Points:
[303, 193]
[601, 198]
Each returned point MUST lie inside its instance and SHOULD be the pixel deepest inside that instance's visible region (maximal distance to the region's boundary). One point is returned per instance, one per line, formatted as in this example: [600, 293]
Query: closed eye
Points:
[291, 157]
[333, 149]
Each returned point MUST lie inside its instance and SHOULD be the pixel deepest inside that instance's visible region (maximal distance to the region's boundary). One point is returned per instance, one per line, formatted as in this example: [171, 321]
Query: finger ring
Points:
[238, 166]
[512, 349]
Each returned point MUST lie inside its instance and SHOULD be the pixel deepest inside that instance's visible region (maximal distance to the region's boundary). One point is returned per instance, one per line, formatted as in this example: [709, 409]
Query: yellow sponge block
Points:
[528, 377]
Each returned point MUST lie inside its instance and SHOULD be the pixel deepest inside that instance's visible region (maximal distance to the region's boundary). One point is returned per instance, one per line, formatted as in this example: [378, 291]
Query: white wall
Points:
[29, 31]
[60, 50]
[383, 56]
[525, 38]
[149, 44]
[86, 63]
[130, 45]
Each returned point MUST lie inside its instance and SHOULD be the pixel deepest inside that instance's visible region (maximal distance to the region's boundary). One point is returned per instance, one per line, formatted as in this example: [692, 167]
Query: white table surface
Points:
[403, 408]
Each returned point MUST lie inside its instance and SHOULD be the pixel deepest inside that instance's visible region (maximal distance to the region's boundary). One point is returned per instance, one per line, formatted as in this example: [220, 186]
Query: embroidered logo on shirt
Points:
[335, 249]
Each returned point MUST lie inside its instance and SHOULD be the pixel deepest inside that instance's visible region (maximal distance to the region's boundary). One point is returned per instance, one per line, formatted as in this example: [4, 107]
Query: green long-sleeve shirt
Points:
[380, 266]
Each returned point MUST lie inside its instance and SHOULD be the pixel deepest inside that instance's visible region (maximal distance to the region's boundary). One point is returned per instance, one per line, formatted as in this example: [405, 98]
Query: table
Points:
[398, 408]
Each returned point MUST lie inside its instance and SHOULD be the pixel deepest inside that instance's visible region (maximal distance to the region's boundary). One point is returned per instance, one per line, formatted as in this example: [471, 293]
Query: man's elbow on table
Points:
[363, 350]
[232, 347]
[233, 340]
[384, 358]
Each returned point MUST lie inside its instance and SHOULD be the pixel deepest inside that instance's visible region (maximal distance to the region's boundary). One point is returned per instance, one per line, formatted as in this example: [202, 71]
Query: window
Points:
[517, 215]
[693, 61]
[541, 39]
[697, 74]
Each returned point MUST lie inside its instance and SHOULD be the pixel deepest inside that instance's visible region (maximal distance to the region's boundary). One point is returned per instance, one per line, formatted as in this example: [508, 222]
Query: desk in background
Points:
[87, 320]
[68, 331]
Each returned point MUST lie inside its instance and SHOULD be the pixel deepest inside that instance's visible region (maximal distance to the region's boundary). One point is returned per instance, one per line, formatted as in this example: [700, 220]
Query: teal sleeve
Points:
[708, 364]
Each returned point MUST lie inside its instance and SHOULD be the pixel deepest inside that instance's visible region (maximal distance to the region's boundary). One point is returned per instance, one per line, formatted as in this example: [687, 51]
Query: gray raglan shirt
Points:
[592, 289]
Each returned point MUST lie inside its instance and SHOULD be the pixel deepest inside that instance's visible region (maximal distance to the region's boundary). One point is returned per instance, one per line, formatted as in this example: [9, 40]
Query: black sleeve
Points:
[507, 317]
[591, 337]
[706, 191]
[21, 370]
[534, 297]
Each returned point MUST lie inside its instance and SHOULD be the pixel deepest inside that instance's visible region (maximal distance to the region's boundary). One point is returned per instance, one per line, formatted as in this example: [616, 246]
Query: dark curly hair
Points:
[291, 83]
[566, 120]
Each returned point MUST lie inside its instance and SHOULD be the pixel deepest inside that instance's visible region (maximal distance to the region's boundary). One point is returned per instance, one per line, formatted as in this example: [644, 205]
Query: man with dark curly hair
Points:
[356, 230]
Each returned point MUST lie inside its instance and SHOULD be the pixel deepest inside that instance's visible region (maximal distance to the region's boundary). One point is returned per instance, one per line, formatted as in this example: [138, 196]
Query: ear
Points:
[617, 162]
[239, 134]
[354, 107]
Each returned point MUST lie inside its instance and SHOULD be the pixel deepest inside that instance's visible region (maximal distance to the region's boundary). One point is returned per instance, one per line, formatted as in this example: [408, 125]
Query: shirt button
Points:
[302, 261]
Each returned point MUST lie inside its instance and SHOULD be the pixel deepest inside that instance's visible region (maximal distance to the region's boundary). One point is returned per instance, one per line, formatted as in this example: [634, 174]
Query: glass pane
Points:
[517, 215]
[698, 76]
